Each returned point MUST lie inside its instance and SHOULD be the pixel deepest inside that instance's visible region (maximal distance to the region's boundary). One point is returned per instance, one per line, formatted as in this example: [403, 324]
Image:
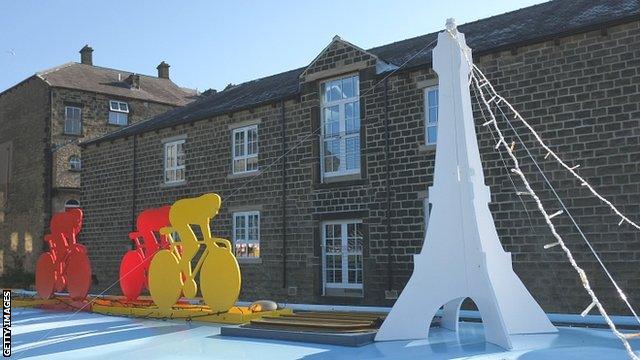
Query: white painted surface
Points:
[462, 255]
[100, 337]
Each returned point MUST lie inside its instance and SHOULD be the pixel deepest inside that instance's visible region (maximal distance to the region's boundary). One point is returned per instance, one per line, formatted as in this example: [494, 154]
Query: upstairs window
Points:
[174, 162]
[118, 112]
[431, 115]
[245, 149]
[340, 126]
[246, 234]
[72, 120]
[74, 163]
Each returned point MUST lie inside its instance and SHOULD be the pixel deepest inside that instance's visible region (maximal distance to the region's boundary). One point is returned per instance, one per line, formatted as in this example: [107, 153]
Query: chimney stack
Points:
[163, 70]
[86, 55]
[133, 81]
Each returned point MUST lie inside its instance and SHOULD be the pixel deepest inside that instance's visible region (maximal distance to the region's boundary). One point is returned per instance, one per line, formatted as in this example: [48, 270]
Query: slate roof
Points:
[111, 81]
[508, 30]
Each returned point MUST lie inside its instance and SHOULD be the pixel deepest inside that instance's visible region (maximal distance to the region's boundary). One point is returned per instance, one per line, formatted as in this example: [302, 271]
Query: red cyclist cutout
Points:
[66, 264]
[147, 240]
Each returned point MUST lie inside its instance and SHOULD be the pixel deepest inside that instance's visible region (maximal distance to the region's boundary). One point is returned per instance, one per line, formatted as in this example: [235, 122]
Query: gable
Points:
[338, 57]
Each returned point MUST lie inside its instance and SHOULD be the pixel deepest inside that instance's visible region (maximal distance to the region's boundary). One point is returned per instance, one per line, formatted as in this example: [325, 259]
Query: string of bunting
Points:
[480, 81]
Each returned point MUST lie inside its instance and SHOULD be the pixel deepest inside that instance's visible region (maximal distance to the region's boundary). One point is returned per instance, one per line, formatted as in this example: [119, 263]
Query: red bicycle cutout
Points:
[66, 264]
[134, 266]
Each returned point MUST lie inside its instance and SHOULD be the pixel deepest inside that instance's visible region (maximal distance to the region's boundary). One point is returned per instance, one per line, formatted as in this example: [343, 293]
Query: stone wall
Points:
[24, 119]
[32, 119]
[581, 92]
[95, 115]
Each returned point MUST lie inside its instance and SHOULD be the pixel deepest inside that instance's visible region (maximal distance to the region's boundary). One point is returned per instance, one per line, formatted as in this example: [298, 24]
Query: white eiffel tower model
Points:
[462, 256]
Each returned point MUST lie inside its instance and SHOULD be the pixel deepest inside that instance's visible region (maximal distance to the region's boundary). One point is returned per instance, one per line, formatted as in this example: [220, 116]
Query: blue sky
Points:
[212, 43]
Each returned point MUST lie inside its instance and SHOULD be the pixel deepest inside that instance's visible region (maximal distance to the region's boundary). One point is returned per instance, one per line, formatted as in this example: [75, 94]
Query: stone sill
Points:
[340, 178]
[426, 148]
[244, 174]
[249, 261]
[341, 181]
[338, 293]
[173, 184]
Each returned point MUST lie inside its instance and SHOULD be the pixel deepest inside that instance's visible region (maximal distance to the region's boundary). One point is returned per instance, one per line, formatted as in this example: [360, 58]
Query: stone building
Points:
[324, 170]
[42, 119]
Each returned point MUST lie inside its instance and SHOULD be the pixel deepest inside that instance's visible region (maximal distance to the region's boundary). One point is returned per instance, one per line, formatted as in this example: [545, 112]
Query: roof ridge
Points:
[262, 78]
[465, 24]
[124, 71]
[54, 69]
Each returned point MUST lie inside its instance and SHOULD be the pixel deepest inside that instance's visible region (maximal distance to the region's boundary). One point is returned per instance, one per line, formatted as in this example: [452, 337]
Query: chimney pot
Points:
[86, 55]
[163, 70]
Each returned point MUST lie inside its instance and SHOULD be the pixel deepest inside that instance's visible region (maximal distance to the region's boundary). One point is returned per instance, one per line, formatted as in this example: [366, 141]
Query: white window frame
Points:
[344, 284]
[120, 109]
[69, 130]
[427, 124]
[245, 241]
[75, 163]
[245, 146]
[342, 136]
[176, 167]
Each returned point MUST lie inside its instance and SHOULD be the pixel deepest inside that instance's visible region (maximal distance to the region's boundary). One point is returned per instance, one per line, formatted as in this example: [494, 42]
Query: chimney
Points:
[133, 81]
[86, 55]
[163, 70]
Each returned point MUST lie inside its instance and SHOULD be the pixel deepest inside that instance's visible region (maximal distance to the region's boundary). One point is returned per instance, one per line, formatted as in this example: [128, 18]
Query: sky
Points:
[210, 44]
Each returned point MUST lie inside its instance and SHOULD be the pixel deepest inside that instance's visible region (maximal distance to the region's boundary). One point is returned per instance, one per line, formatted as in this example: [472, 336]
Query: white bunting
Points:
[586, 311]
[549, 246]
[559, 212]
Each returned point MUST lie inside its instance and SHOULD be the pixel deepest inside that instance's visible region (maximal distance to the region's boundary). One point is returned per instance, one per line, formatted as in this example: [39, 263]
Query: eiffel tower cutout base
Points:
[462, 256]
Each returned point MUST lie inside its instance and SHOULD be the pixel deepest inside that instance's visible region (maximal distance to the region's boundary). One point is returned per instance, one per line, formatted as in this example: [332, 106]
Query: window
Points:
[72, 120]
[174, 162]
[118, 112]
[431, 114]
[246, 234]
[74, 163]
[342, 256]
[340, 126]
[245, 149]
[71, 204]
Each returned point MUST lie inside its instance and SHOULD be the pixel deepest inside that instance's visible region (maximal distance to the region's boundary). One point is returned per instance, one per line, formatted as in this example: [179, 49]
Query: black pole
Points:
[284, 198]
[388, 181]
[134, 184]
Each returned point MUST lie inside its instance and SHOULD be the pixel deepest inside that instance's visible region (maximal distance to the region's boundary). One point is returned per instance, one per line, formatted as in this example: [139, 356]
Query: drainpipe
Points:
[284, 198]
[388, 181]
[134, 184]
[48, 160]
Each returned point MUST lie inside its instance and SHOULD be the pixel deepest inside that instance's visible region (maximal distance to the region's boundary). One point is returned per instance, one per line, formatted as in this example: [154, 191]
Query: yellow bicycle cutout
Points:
[170, 272]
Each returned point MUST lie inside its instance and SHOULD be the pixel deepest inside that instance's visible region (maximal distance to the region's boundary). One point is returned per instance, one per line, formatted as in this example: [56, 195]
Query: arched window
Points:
[71, 204]
[74, 163]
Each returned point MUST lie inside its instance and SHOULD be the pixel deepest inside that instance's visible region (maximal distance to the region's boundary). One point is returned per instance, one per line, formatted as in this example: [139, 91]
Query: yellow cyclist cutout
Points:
[170, 272]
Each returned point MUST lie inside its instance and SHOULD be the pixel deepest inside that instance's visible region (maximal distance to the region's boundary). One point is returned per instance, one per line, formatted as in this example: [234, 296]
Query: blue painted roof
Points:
[40, 334]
